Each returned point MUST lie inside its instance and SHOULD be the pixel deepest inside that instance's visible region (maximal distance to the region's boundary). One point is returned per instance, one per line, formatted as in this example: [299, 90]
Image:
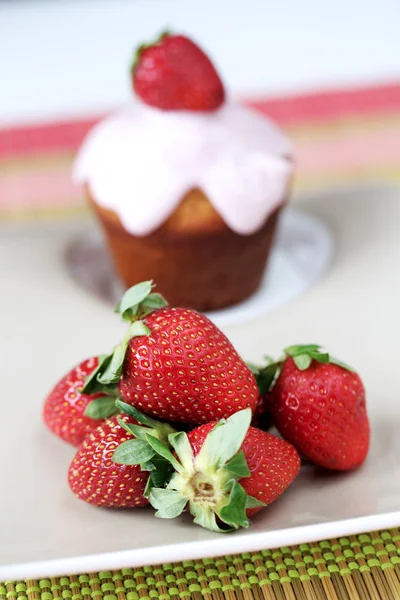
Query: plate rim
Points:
[171, 553]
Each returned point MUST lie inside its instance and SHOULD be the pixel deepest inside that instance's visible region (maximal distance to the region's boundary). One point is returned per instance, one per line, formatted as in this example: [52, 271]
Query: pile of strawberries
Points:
[174, 418]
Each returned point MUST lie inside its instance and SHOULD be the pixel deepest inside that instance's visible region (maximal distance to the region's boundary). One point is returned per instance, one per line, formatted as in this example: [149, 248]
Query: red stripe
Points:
[288, 110]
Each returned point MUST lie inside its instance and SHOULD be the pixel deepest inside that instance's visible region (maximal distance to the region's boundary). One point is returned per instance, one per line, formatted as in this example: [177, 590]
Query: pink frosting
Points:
[140, 162]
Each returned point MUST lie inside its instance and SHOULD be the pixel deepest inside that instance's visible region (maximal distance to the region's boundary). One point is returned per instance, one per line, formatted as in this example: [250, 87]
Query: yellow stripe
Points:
[336, 128]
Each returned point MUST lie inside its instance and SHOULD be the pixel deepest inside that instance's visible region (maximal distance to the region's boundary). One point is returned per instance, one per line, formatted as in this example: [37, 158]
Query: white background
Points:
[60, 58]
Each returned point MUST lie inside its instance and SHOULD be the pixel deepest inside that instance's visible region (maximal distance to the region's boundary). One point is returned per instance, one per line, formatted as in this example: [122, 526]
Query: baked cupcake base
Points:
[194, 258]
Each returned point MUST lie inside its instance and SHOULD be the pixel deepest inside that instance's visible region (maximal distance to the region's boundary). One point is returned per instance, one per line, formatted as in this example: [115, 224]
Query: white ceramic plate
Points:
[47, 324]
[300, 256]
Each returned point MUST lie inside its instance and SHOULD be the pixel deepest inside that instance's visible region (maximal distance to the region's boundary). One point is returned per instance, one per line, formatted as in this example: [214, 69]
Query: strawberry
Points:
[264, 377]
[185, 370]
[318, 404]
[224, 472]
[65, 406]
[174, 74]
[262, 417]
[113, 465]
[175, 364]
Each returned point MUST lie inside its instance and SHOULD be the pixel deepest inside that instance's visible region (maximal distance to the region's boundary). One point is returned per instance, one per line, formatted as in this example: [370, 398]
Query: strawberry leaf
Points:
[162, 450]
[148, 466]
[321, 357]
[149, 486]
[237, 466]
[133, 412]
[303, 356]
[91, 385]
[234, 513]
[180, 443]
[138, 328]
[302, 361]
[162, 473]
[224, 441]
[301, 349]
[253, 502]
[129, 305]
[152, 427]
[153, 301]
[136, 430]
[133, 452]
[253, 368]
[170, 503]
[205, 517]
[101, 408]
[113, 369]
[266, 376]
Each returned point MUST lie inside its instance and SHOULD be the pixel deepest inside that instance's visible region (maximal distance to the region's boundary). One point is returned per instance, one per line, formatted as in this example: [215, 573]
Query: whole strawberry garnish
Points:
[65, 406]
[318, 404]
[173, 73]
[175, 364]
[224, 472]
[114, 465]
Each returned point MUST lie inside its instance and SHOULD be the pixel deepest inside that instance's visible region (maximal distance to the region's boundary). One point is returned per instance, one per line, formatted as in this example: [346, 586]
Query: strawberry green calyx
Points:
[137, 302]
[139, 450]
[103, 407]
[302, 354]
[144, 46]
[148, 425]
[207, 483]
[266, 375]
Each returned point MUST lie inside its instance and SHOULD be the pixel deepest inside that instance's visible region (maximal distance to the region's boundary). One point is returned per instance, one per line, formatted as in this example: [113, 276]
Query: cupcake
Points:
[187, 185]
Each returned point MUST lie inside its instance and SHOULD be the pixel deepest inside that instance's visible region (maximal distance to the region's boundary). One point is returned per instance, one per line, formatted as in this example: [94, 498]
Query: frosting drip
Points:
[140, 162]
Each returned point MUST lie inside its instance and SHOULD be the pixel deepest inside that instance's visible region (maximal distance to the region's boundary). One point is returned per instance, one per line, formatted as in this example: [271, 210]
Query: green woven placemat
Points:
[359, 567]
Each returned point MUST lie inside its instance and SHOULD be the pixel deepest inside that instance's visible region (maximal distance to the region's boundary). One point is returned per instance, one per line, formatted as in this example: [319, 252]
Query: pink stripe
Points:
[301, 108]
[52, 186]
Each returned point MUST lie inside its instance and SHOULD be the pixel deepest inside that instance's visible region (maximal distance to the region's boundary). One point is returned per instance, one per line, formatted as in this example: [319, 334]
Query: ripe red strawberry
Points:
[318, 405]
[116, 466]
[273, 463]
[64, 408]
[185, 370]
[262, 417]
[96, 479]
[174, 363]
[225, 472]
[174, 74]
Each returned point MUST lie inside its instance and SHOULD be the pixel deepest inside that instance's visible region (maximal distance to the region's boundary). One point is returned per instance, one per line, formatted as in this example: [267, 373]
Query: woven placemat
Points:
[359, 567]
